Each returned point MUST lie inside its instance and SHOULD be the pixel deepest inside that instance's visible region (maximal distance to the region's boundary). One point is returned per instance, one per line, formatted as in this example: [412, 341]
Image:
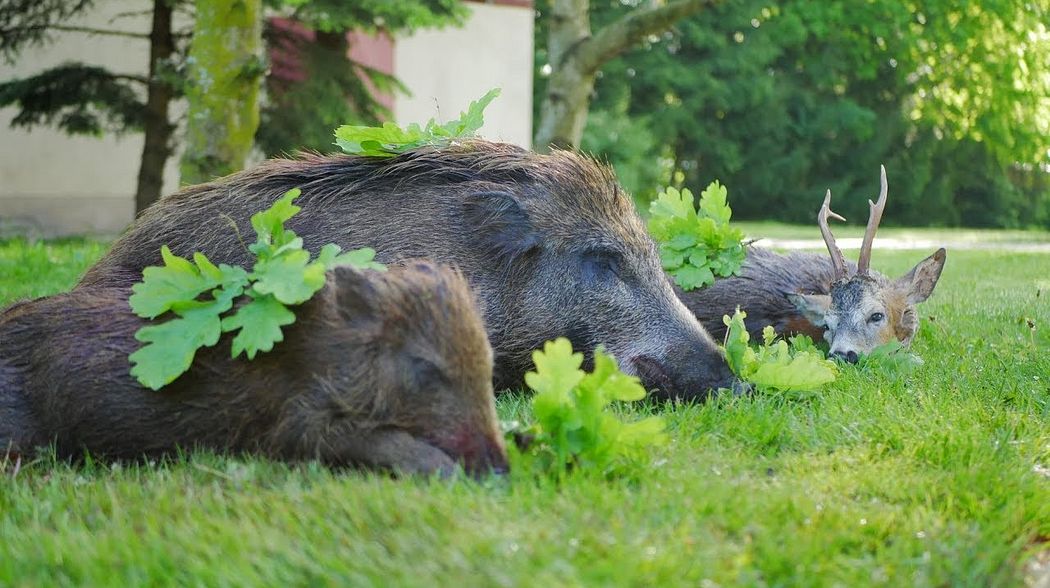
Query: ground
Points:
[940, 479]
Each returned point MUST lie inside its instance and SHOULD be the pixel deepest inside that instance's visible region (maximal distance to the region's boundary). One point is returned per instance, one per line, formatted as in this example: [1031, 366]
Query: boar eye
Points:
[876, 317]
[426, 373]
[601, 265]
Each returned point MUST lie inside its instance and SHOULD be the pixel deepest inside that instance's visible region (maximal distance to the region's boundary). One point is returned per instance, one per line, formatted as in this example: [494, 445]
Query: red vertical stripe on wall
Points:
[377, 52]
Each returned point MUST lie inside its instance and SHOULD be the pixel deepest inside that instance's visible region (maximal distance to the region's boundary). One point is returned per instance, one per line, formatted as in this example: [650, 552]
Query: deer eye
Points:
[876, 317]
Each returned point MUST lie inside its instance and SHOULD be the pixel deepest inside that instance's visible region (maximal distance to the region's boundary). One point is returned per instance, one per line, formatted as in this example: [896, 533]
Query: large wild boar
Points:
[384, 370]
[551, 245]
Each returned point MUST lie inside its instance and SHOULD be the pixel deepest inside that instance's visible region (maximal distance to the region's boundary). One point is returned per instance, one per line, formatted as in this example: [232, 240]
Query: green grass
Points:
[927, 482]
[32, 269]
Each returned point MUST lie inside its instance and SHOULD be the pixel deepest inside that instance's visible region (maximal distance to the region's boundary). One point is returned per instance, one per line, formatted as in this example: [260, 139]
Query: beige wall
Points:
[448, 68]
[52, 184]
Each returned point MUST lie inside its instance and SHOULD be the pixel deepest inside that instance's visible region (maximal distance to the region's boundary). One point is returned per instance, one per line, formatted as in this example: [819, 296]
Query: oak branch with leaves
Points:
[198, 293]
[575, 427]
[776, 365]
[696, 245]
[390, 139]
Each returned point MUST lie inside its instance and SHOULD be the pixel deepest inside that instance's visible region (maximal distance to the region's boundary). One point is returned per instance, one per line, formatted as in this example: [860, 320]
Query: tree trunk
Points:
[576, 56]
[565, 101]
[158, 129]
[226, 69]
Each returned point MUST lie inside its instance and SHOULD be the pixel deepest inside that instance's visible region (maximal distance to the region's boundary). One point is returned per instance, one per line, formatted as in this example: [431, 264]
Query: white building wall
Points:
[53, 184]
[448, 68]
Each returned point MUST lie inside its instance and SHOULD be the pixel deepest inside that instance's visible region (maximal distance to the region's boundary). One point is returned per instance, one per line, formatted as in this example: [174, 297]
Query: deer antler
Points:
[822, 221]
[864, 262]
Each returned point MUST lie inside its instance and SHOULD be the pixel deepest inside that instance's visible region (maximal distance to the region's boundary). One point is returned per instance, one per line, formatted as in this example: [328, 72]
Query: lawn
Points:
[773, 230]
[940, 479]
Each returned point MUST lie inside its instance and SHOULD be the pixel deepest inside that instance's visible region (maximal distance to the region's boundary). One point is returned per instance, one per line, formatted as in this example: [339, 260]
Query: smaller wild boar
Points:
[381, 370]
[852, 307]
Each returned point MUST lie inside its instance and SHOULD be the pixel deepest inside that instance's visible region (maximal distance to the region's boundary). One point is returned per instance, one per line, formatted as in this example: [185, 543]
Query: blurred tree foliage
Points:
[782, 100]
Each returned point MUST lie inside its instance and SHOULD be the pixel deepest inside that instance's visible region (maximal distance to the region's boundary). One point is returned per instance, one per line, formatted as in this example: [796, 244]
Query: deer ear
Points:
[812, 306]
[499, 224]
[918, 284]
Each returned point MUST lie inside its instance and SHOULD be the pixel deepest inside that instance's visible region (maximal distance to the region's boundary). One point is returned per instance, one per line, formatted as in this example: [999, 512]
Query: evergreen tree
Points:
[82, 99]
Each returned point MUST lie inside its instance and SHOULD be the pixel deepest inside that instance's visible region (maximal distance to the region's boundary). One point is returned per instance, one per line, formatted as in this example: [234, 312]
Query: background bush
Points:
[781, 101]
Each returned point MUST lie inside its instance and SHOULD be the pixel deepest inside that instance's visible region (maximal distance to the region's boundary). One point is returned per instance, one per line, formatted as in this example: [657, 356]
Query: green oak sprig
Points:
[696, 244]
[390, 139]
[776, 365]
[199, 295]
[574, 425]
[892, 359]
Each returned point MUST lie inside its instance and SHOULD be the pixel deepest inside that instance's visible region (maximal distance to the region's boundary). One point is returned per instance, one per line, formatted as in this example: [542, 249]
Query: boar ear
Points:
[918, 284]
[498, 224]
[355, 293]
[812, 306]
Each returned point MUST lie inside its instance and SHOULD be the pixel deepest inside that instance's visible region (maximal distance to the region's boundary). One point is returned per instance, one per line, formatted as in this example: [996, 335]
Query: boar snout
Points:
[494, 461]
[683, 378]
[654, 375]
[489, 459]
[479, 453]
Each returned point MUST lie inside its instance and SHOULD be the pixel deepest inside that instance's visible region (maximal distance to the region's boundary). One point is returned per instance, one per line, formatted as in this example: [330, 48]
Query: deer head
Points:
[866, 309]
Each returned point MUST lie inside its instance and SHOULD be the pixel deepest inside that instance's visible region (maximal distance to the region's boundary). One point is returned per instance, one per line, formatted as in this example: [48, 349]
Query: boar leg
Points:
[17, 431]
[392, 449]
[384, 448]
[315, 427]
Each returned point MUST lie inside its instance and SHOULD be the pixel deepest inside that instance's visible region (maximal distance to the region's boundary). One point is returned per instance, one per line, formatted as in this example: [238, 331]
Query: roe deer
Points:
[853, 308]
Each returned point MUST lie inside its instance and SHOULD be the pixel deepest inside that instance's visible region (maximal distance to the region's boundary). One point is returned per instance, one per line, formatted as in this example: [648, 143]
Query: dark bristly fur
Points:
[550, 244]
[760, 289]
[387, 370]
